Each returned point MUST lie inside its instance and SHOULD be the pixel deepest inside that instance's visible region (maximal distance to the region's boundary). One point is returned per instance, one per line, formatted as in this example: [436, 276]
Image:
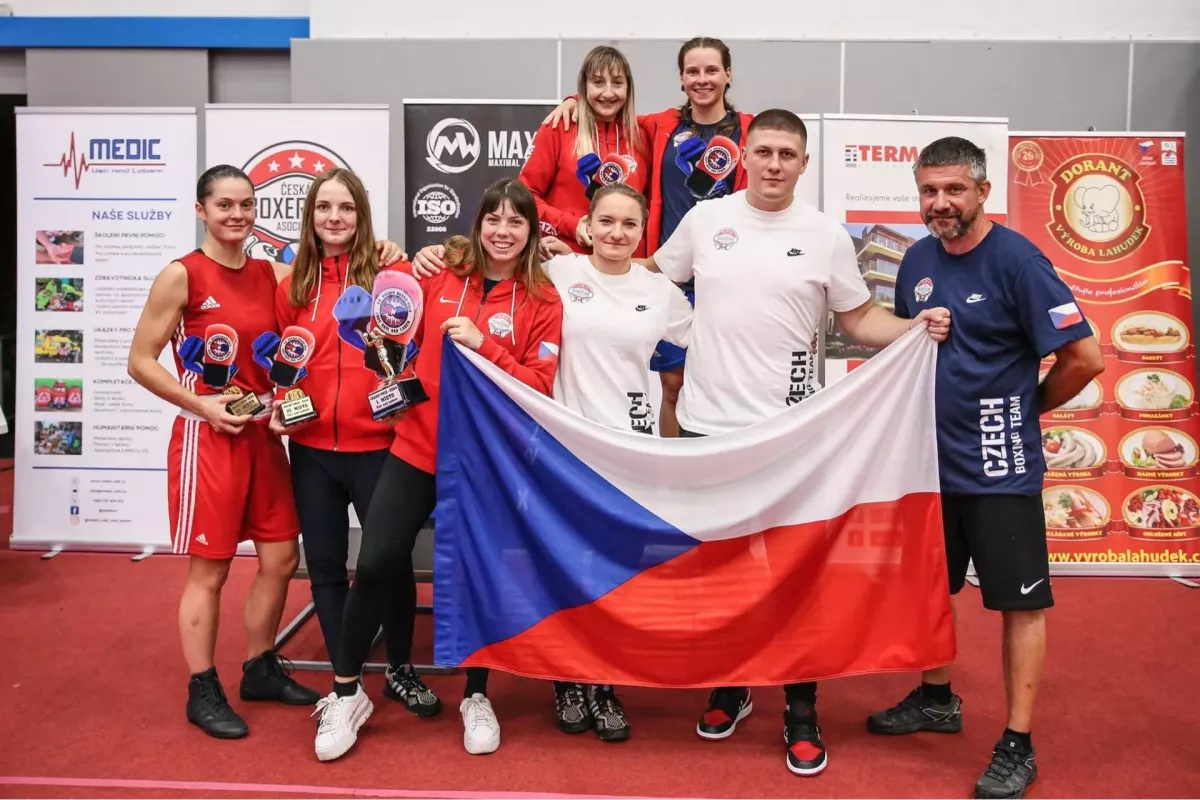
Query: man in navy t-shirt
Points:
[1010, 309]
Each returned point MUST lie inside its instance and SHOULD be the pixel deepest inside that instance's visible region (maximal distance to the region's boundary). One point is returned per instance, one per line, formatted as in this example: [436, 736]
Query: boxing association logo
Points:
[293, 350]
[282, 174]
[394, 311]
[1098, 212]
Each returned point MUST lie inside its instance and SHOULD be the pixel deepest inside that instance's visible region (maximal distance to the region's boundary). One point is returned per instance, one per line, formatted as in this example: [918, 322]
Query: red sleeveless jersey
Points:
[243, 299]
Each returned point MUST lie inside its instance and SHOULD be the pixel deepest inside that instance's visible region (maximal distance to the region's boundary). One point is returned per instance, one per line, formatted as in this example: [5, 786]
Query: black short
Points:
[1005, 536]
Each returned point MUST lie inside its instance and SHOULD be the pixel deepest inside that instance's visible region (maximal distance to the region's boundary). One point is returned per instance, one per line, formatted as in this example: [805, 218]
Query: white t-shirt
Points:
[611, 324]
[765, 282]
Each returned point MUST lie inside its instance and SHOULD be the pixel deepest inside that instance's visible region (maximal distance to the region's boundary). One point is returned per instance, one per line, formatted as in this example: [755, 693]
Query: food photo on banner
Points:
[1108, 210]
[454, 150]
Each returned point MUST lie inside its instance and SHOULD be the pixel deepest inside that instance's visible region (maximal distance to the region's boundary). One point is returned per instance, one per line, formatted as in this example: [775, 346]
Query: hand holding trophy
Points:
[382, 324]
[296, 347]
[213, 358]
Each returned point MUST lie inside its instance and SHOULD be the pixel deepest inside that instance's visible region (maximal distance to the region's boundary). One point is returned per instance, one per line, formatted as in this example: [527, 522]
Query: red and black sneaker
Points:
[726, 708]
[805, 751]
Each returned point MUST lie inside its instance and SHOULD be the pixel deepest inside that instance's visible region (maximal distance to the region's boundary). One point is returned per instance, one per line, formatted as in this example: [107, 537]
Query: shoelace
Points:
[478, 714]
[802, 730]
[1005, 764]
[610, 708]
[571, 697]
[278, 665]
[212, 694]
[729, 701]
[332, 709]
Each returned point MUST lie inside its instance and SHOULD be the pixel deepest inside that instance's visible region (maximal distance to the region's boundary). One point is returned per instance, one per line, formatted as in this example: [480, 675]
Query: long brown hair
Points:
[731, 122]
[362, 261]
[600, 60]
[464, 257]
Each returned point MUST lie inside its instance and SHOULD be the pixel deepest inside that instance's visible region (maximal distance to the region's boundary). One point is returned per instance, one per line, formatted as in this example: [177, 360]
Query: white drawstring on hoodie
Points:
[345, 282]
[512, 313]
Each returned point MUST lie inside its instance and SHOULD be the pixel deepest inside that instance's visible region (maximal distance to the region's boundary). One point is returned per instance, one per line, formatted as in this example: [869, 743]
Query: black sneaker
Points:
[918, 713]
[805, 751]
[1012, 769]
[571, 708]
[608, 714]
[404, 685]
[726, 708]
[268, 677]
[209, 710]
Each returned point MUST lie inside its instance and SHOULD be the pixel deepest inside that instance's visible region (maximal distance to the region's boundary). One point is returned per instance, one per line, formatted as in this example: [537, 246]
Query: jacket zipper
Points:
[338, 391]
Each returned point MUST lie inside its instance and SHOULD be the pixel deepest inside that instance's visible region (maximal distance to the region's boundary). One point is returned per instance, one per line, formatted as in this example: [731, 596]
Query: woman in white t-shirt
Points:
[614, 314]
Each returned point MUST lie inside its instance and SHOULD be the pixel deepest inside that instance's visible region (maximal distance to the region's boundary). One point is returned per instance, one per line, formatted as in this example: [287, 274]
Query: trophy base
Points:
[394, 396]
[247, 405]
[297, 410]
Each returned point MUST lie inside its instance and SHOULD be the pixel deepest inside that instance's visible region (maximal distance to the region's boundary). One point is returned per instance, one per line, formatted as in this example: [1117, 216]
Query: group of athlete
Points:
[579, 288]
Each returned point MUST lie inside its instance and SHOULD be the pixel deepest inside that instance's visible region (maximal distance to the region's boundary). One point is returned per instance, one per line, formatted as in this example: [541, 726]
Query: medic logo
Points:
[282, 174]
[1097, 209]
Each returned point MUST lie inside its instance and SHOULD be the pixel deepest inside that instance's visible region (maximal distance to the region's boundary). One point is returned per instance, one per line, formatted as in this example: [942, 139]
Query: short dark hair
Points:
[953, 151]
[204, 186]
[778, 119]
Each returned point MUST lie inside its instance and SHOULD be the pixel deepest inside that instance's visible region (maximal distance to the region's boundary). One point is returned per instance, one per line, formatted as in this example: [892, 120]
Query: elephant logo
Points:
[1098, 210]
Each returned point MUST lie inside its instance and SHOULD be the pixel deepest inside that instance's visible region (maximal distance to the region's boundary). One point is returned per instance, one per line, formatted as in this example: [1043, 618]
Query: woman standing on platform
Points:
[227, 473]
[706, 76]
[566, 167]
[498, 282]
[620, 311]
[336, 459]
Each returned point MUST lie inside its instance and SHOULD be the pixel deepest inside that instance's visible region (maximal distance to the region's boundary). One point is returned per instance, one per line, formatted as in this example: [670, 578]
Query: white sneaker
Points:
[481, 729]
[341, 717]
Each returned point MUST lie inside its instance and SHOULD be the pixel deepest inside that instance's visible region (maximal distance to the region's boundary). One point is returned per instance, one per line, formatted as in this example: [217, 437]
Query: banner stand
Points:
[1122, 486]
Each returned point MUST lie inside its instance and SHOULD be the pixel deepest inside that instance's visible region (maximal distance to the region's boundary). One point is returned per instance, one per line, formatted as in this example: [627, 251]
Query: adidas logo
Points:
[209, 303]
[202, 540]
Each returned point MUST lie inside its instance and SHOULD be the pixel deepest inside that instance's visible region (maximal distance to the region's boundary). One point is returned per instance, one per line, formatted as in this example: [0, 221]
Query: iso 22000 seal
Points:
[437, 204]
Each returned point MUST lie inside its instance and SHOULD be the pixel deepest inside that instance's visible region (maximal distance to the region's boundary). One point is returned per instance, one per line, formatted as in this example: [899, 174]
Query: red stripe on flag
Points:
[863, 593]
[903, 217]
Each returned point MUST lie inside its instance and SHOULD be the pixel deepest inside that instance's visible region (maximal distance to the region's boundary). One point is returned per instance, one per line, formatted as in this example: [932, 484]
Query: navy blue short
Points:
[670, 357]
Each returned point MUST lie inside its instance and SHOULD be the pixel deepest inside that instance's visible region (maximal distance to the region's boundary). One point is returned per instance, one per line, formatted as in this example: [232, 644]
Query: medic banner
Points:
[1122, 494]
[870, 188]
[454, 150]
[105, 201]
[283, 148]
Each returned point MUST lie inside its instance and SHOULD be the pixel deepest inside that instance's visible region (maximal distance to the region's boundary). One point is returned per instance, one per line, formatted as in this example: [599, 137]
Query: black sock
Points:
[801, 697]
[345, 689]
[477, 678]
[937, 692]
[1024, 738]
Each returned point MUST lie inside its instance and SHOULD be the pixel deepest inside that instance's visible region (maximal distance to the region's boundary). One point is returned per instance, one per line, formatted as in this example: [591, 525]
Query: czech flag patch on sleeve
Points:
[1065, 316]
[548, 350]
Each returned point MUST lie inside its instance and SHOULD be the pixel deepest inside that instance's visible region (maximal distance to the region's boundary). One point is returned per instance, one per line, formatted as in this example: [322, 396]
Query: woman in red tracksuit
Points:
[496, 280]
[608, 135]
[336, 459]
[706, 75]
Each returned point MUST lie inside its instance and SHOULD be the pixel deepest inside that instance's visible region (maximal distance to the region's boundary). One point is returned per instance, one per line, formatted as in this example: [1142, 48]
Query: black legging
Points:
[383, 582]
[325, 484]
[795, 693]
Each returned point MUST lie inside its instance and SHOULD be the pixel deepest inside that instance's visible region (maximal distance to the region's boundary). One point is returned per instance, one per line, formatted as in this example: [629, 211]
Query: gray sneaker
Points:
[1012, 769]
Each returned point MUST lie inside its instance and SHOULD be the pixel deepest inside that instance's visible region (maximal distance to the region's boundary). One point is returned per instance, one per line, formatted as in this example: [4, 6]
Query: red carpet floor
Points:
[93, 687]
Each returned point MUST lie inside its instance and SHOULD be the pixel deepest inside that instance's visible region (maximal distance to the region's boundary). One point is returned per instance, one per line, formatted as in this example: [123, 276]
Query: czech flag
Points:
[805, 547]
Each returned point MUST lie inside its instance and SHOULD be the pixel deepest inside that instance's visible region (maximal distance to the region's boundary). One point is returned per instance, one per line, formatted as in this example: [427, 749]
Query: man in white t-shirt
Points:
[768, 269]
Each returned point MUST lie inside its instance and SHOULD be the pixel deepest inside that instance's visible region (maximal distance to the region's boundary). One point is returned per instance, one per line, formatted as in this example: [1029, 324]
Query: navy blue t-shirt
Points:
[1008, 309]
[677, 198]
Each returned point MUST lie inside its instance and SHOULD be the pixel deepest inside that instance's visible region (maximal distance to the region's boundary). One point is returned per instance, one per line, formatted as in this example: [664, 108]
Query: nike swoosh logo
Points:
[975, 298]
[795, 252]
[444, 300]
[1027, 589]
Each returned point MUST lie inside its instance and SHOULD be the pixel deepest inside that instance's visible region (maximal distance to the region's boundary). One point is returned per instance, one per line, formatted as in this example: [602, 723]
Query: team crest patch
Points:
[725, 239]
[923, 290]
[682, 137]
[580, 293]
[500, 325]
[282, 174]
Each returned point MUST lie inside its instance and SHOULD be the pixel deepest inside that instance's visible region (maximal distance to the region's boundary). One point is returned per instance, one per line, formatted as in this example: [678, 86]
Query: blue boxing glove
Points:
[353, 314]
[190, 353]
[265, 347]
[586, 168]
[688, 153]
